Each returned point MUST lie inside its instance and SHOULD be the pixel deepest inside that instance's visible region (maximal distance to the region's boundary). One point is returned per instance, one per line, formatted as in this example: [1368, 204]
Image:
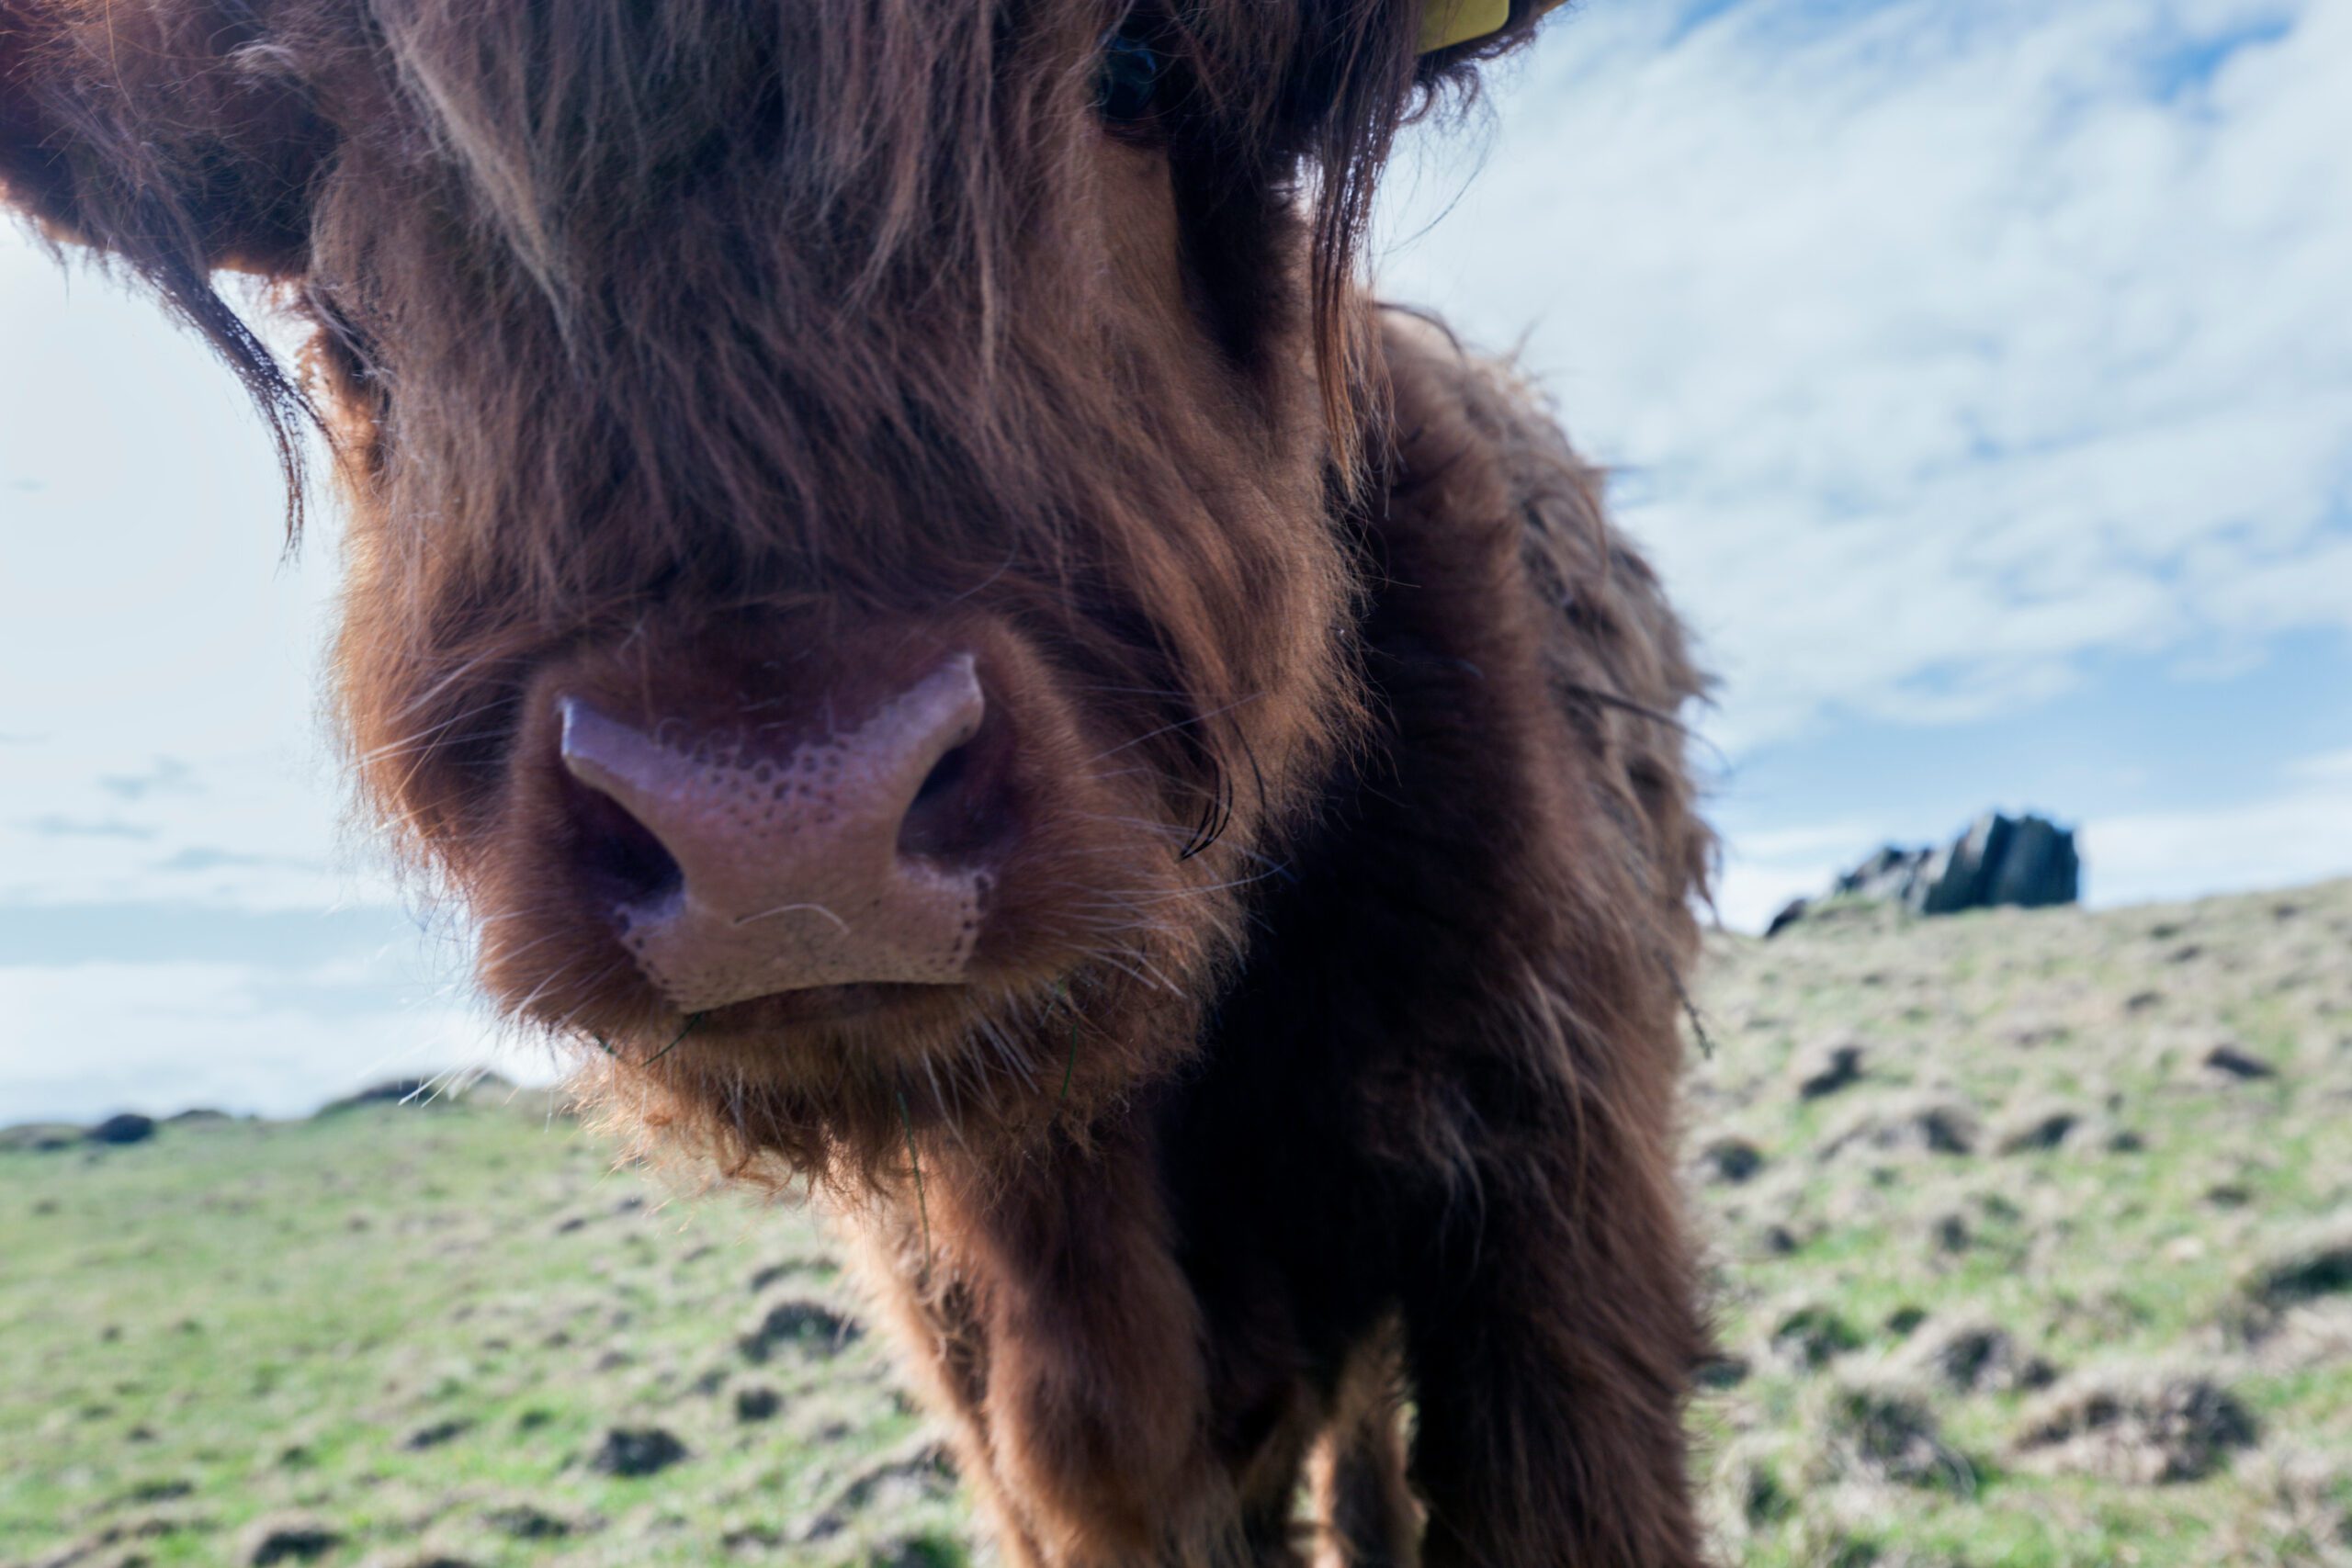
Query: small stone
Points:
[2040, 1131]
[2304, 1272]
[432, 1436]
[1734, 1160]
[1830, 1070]
[2232, 1062]
[1719, 1372]
[1813, 1337]
[296, 1541]
[809, 1327]
[523, 1522]
[127, 1128]
[1896, 1438]
[636, 1451]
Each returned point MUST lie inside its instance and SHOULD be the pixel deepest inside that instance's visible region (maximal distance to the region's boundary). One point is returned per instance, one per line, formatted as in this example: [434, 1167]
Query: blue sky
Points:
[1980, 373]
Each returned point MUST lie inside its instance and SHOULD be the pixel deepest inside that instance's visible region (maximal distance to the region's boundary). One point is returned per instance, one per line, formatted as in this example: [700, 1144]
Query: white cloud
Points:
[88, 1039]
[2300, 832]
[158, 656]
[1942, 347]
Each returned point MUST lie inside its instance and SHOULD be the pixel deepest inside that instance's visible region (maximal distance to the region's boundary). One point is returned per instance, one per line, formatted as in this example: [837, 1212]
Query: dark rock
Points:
[2027, 862]
[2044, 1130]
[129, 1127]
[292, 1544]
[1947, 1129]
[432, 1436]
[1719, 1372]
[2304, 1273]
[1763, 1500]
[523, 1522]
[807, 1326]
[1896, 1439]
[915, 1551]
[1889, 876]
[2232, 1062]
[757, 1403]
[1921, 1124]
[637, 1451]
[1978, 1358]
[1813, 1337]
[1733, 1159]
[1837, 1067]
[1904, 1321]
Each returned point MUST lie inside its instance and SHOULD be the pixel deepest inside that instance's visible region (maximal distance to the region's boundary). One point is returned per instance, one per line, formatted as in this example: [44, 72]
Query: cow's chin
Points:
[827, 1086]
[813, 1039]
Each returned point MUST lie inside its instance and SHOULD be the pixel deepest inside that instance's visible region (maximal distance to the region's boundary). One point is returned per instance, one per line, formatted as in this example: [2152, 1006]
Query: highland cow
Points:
[955, 654]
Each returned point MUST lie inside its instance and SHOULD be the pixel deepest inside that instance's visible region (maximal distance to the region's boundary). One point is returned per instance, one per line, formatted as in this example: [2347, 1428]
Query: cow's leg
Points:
[932, 1315]
[1551, 1347]
[1095, 1407]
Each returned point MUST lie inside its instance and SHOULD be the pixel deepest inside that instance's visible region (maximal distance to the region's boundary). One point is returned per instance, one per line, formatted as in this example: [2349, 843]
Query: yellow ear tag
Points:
[1445, 23]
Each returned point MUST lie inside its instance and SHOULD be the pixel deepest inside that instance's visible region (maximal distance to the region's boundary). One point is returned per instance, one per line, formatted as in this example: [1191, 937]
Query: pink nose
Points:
[744, 864]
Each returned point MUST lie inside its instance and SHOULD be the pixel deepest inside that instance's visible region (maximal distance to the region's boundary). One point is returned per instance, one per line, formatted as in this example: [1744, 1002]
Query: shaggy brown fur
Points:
[1319, 1052]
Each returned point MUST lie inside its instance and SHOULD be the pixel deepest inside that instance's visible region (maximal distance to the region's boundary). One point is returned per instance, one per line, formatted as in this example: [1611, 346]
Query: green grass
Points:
[414, 1329]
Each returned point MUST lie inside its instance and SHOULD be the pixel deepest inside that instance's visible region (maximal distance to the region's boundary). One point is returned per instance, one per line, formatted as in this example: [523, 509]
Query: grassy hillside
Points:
[2032, 1239]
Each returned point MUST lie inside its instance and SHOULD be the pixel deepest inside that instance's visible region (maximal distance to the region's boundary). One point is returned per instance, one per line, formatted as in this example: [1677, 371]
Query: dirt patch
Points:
[637, 1451]
[2304, 1271]
[2145, 1430]
[811, 1328]
[1894, 1436]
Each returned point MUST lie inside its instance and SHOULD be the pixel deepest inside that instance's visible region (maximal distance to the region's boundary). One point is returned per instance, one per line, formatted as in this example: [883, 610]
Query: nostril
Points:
[959, 813]
[946, 774]
[618, 854]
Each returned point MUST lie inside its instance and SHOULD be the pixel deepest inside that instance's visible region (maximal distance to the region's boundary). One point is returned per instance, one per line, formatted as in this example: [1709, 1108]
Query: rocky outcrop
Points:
[2024, 863]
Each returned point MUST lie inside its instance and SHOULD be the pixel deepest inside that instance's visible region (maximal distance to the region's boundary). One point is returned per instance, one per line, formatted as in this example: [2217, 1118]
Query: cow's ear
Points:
[173, 134]
[1355, 72]
[1453, 35]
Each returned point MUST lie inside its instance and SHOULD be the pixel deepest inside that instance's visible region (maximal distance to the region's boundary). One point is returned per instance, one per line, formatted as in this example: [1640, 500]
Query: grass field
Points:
[2031, 1240]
